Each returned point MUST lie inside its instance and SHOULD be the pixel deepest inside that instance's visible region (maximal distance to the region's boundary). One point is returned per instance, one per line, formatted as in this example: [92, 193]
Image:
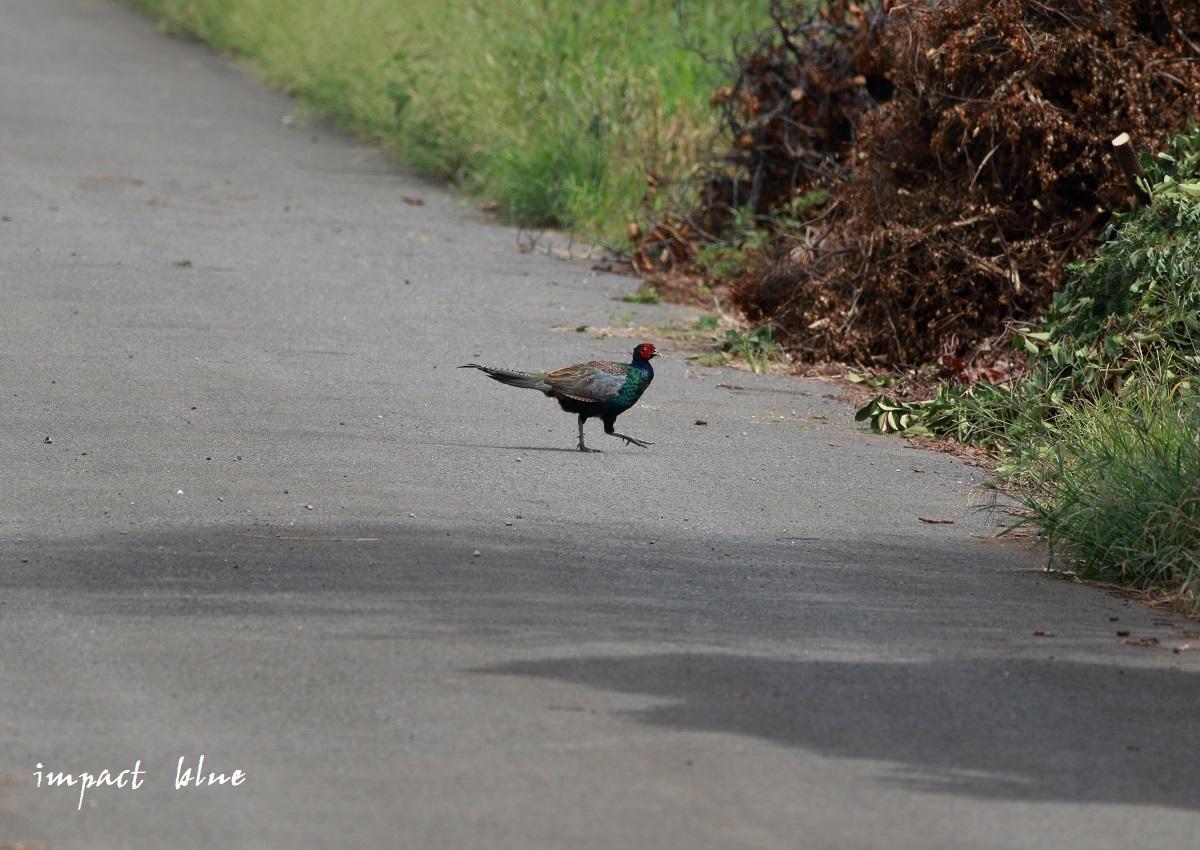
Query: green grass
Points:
[555, 110]
[1114, 488]
[647, 294]
[757, 348]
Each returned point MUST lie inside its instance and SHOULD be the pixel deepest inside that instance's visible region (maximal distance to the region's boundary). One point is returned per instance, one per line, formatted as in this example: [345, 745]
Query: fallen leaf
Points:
[1146, 641]
[1043, 633]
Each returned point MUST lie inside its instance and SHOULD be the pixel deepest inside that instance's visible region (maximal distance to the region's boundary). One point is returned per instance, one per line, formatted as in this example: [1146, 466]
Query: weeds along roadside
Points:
[1101, 437]
[555, 111]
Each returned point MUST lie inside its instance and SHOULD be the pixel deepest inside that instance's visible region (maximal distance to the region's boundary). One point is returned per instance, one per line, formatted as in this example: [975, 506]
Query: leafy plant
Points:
[889, 417]
[647, 294]
[757, 347]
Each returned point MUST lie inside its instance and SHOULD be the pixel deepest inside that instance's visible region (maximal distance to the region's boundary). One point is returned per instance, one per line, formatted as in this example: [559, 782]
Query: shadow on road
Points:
[993, 728]
[953, 705]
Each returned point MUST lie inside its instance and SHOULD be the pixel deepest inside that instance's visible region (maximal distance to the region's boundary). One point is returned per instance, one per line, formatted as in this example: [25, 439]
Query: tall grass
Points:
[1114, 488]
[556, 110]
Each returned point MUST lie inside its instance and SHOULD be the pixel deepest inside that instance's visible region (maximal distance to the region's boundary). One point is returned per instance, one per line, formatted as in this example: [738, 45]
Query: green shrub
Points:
[1102, 435]
[1137, 301]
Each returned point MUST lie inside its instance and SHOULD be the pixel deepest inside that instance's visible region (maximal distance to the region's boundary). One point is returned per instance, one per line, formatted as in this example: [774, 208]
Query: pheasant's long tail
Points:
[513, 378]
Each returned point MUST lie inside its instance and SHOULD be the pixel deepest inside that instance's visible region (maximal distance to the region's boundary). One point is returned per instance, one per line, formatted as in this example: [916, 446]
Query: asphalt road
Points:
[250, 511]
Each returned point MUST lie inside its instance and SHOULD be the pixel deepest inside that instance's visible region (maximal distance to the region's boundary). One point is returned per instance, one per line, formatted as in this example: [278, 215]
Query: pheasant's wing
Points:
[594, 381]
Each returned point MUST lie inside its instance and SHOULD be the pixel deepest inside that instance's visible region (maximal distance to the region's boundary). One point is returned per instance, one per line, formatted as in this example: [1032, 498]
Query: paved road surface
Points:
[272, 525]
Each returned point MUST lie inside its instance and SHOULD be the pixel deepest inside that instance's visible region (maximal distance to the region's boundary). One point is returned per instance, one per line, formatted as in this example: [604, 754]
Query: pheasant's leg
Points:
[582, 447]
[608, 429]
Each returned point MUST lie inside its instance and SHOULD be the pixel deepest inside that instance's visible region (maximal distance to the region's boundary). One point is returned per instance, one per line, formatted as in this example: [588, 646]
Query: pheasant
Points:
[596, 389]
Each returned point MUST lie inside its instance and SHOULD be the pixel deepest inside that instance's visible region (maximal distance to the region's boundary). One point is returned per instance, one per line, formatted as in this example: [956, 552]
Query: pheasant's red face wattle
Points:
[646, 350]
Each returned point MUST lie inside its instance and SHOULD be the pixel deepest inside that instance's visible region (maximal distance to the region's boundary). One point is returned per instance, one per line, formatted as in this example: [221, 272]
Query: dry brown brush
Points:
[966, 149]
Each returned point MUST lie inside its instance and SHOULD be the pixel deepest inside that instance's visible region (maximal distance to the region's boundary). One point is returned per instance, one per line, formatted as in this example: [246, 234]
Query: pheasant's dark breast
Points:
[636, 382]
[634, 385]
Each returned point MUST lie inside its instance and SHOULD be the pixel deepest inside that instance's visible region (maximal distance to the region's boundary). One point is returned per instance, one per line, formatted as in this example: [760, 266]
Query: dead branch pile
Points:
[793, 108]
[961, 189]
[790, 114]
